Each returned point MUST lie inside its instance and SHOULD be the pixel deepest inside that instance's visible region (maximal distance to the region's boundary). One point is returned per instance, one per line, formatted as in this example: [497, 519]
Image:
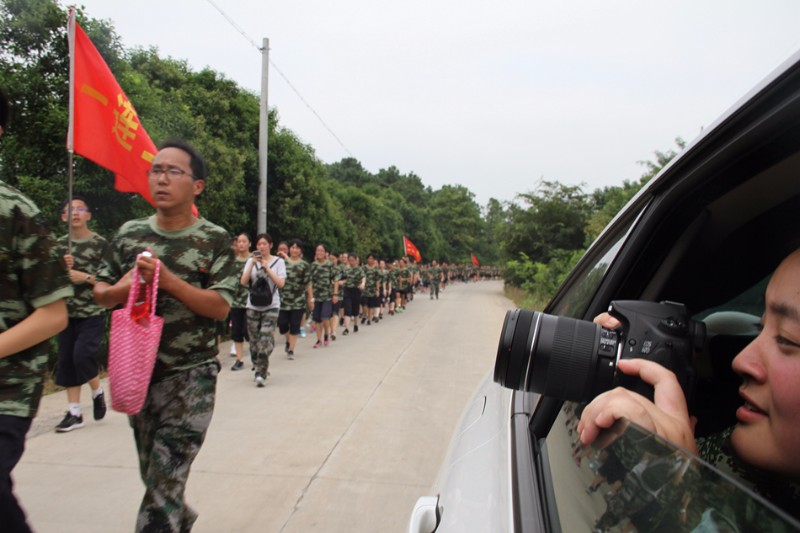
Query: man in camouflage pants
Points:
[33, 291]
[435, 275]
[197, 281]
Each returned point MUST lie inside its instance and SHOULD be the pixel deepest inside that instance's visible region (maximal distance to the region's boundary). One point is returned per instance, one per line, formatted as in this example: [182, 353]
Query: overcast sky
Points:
[493, 95]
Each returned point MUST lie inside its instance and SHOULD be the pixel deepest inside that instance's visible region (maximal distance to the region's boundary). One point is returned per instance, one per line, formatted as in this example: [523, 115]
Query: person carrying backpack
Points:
[265, 274]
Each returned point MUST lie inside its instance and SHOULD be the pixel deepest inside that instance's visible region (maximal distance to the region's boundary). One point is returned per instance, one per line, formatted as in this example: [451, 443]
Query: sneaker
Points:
[69, 423]
[355, 328]
[303, 332]
[327, 342]
[260, 380]
[290, 354]
[238, 365]
[318, 344]
[99, 406]
[333, 336]
[363, 319]
[346, 332]
[369, 322]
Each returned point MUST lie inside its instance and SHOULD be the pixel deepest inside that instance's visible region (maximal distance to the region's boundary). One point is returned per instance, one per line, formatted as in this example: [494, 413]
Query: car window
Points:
[633, 480]
[575, 300]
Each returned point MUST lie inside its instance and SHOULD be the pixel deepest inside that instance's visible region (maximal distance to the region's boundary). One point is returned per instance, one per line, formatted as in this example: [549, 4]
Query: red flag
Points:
[475, 260]
[104, 126]
[411, 249]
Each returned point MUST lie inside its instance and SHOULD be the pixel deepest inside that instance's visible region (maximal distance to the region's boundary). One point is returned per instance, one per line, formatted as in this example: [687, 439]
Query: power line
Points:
[282, 75]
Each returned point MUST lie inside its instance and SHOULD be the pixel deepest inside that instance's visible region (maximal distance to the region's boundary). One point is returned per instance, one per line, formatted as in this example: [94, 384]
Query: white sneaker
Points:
[259, 380]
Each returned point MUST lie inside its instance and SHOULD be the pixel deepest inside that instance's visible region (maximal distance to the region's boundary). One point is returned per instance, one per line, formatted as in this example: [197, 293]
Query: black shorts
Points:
[352, 299]
[78, 345]
[322, 311]
[239, 324]
[337, 305]
[289, 320]
[373, 301]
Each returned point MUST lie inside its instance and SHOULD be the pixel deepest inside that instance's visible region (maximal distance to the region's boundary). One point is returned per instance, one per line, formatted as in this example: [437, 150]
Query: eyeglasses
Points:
[171, 172]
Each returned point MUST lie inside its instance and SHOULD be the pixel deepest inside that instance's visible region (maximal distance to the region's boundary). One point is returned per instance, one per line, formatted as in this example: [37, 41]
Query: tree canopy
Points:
[341, 204]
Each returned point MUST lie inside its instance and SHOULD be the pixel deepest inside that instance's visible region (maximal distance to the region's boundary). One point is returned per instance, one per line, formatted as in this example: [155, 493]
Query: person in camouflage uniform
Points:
[79, 343]
[336, 297]
[322, 279]
[34, 287]
[197, 281]
[383, 286]
[391, 285]
[435, 277]
[262, 321]
[353, 285]
[239, 304]
[403, 277]
[372, 276]
[295, 293]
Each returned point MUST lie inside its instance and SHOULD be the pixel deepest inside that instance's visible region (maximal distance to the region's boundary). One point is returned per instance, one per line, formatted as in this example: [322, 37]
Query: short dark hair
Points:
[75, 197]
[297, 242]
[265, 236]
[5, 110]
[195, 159]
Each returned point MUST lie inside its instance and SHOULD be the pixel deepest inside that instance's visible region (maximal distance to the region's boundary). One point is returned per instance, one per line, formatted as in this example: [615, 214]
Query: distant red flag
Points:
[411, 249]
[104, 126]
[475, 260]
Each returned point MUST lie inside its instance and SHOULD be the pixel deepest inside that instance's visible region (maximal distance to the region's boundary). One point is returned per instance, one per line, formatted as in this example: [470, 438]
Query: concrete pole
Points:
[263, 130]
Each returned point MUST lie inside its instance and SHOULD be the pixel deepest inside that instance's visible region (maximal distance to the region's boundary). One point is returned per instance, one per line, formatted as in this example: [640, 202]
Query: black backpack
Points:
[261, 291]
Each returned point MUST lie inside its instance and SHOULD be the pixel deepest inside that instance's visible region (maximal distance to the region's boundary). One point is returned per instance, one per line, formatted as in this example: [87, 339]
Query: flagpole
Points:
[70, 132]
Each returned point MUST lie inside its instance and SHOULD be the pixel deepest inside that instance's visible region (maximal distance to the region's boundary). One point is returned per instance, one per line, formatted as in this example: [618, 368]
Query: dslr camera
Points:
[576, 360]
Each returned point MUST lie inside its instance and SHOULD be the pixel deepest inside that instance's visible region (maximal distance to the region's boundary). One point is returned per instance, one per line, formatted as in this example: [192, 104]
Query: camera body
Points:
[576, 360]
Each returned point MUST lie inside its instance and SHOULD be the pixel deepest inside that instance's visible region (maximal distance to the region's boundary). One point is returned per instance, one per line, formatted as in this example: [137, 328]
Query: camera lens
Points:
[555, 356]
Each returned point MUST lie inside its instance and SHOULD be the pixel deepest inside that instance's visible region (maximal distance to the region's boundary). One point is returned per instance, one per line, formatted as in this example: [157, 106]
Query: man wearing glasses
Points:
[197, 281]
[79, 344]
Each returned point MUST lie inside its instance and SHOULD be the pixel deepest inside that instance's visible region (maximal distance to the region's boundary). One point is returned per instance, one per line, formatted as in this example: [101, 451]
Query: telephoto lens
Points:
[555, 356]
[576, 360]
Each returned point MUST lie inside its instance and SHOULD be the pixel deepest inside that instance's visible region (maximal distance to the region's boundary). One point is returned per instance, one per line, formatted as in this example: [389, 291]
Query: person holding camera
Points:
[263, 270]
[763, 444]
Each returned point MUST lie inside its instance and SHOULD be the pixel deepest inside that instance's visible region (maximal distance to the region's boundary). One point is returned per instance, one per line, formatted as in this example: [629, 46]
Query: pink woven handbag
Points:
[133, 347]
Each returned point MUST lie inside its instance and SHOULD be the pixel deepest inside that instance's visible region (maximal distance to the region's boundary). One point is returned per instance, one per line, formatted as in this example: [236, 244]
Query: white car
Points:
[706, 232]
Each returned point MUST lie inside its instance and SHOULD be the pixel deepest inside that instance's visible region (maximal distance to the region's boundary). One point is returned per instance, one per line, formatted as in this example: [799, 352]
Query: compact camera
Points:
[576, 360]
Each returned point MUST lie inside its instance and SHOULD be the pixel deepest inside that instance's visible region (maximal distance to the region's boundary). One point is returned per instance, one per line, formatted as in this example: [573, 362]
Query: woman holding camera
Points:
[262, 319]
[764, 441]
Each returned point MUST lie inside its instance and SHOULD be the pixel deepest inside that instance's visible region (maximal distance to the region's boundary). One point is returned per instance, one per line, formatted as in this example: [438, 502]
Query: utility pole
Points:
[263, 130]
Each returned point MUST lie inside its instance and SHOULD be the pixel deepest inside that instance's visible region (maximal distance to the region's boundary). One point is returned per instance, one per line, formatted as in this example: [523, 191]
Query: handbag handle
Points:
[151, 292]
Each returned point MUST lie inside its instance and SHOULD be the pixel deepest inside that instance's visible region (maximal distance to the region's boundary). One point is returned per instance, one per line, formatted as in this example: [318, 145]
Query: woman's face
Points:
[768, 431]
[242, 244]
[295, 251]
[283, 249]
[263, 246]
[320, 253]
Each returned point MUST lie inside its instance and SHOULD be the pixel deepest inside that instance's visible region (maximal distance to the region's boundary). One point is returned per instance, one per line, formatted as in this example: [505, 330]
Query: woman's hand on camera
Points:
[668, 416]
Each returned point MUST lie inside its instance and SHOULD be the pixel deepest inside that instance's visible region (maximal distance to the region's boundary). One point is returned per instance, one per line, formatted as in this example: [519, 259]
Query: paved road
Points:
[342, 439]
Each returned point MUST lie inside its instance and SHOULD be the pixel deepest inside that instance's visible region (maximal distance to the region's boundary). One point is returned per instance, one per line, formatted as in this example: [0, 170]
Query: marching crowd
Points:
[285, 292]
[64, 287]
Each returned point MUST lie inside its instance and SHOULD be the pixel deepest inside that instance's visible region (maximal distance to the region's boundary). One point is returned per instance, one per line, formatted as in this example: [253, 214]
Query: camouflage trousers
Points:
[261, 329]
[169, 431]
[434, 289]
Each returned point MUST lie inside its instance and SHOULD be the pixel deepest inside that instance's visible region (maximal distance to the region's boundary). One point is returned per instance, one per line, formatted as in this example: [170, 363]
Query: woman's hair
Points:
[266, 236]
